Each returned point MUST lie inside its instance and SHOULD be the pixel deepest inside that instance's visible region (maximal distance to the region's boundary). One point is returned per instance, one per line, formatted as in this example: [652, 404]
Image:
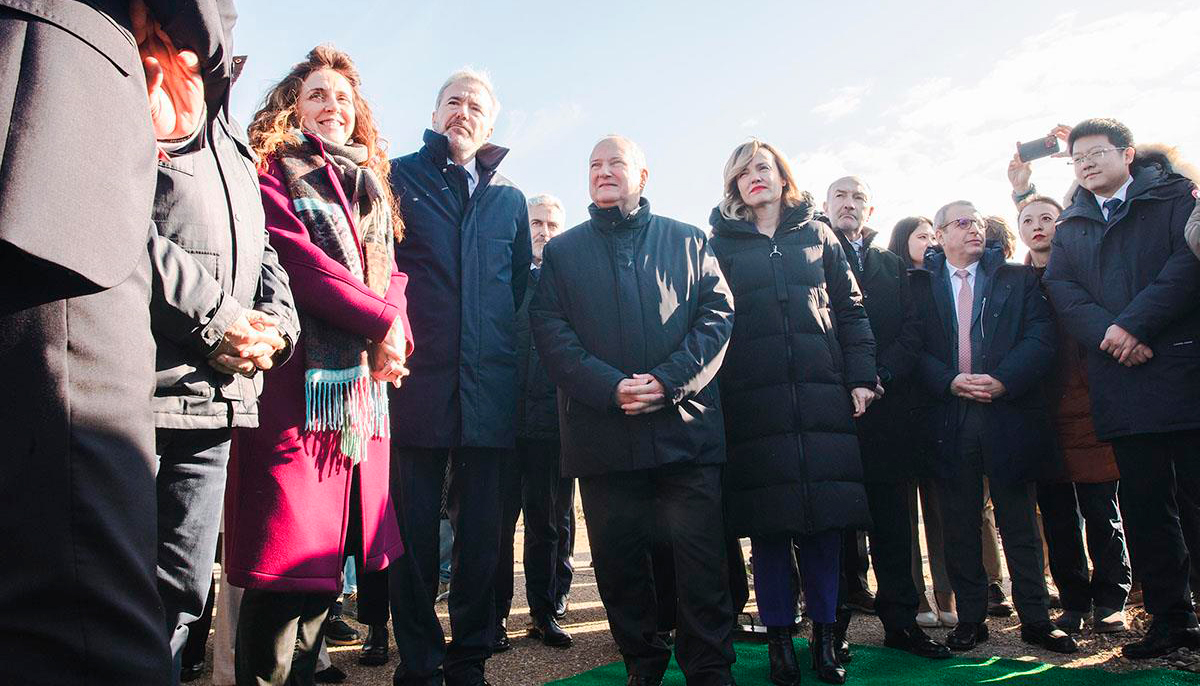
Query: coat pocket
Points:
[499, 259]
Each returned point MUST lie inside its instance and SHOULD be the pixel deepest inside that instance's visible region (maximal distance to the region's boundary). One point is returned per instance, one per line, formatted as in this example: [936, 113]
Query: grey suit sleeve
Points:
[275, 298]
[187, 305]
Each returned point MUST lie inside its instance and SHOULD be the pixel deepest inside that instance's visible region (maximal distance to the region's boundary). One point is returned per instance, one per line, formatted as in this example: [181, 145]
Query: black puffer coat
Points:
[537, 403]
[800, 342]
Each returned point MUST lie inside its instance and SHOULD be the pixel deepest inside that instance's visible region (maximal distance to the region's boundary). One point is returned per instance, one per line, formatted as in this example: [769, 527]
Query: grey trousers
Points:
[278, 637]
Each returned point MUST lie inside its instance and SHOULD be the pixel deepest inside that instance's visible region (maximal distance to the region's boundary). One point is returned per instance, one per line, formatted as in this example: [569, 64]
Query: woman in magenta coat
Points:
[309, 486]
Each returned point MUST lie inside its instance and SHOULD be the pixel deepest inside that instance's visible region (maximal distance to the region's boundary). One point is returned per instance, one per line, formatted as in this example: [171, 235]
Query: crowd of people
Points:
[281, 333]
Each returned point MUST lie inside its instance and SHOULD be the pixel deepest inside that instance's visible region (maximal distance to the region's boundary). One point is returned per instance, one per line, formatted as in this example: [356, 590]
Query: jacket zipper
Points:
[781, 297]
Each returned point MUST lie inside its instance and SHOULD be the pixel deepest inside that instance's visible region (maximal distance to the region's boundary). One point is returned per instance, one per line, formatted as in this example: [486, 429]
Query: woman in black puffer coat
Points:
[800, 367]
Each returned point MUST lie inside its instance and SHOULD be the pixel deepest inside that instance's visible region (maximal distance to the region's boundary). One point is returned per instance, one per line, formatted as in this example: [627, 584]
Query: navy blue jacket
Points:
[467, 265]
[1012, 338]
[1134, 270]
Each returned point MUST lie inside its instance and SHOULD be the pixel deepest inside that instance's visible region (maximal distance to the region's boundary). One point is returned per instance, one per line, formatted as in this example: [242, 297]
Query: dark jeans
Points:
[817, 556]
[279, 637]
[473, 504]
[623, 510]
[1154, 467]
[961, 497]
[191, 491]
[897, 601]
[1066, 509]
[530, 482]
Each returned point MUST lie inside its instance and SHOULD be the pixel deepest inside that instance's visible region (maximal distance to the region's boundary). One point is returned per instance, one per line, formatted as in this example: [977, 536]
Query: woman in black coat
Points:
[800, 367]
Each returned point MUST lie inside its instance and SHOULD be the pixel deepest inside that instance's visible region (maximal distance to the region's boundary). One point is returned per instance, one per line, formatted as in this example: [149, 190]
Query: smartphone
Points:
[1042, 147]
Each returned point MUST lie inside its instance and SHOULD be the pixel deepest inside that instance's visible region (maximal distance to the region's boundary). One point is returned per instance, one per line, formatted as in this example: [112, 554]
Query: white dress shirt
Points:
[1119, 195]
[956, 284]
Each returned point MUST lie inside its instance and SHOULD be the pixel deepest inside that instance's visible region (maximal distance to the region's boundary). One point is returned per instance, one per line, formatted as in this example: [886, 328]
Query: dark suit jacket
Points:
[1012, 338]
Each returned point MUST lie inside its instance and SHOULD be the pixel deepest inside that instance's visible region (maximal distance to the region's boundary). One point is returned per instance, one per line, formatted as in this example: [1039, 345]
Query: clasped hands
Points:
[387, 358]
[982, 388]
[1124, 347]
[640, 394]
[249, 344]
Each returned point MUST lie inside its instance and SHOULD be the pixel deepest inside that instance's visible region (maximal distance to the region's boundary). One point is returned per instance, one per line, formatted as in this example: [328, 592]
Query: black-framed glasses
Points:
[963, 223]
[1093, 156]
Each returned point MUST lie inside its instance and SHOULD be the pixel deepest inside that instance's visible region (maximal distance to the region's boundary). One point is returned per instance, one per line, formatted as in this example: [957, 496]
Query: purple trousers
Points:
[818, 556]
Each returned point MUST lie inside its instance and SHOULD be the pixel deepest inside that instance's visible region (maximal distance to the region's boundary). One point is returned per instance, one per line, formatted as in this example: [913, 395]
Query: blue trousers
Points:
[819, 558]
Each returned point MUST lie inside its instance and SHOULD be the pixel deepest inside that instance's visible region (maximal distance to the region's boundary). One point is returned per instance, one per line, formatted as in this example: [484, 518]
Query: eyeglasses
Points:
[963, 223]
[1093, 156]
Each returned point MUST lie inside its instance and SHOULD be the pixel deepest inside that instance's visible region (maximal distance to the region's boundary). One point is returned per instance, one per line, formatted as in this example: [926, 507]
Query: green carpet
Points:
[874, 666]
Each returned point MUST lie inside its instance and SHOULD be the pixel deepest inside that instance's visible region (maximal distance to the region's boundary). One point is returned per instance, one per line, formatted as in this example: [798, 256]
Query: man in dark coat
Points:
[887, 462]
[632, 317]
[1124, 283]
[221, 310]
[78, 602]
[988, 342]
[530, 479]
[466, 247]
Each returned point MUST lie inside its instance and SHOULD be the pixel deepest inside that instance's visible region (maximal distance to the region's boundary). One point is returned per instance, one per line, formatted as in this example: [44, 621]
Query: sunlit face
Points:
[961, 237]
[465, 116]
[614, 177]
[760, 183]
[326, 106]
[545, 222]
[1098, 166]
[848, 205]
[919, 241]
[1036, 225]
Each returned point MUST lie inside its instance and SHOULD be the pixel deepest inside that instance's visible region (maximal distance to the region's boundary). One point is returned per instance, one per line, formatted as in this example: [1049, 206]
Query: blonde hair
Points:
[732, 206]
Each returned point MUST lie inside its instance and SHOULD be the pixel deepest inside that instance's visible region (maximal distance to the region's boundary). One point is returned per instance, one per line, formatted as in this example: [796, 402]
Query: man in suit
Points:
[634, 358]
[887, 463]
[467, 234]
[78, 598]
[988, 342]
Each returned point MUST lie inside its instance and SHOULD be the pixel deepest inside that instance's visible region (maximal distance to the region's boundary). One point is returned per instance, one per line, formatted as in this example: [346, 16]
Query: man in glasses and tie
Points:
[1124, 284]
[988, 343]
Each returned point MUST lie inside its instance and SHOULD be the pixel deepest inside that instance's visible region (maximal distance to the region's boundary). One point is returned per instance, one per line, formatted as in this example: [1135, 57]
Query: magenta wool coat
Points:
[287, 500]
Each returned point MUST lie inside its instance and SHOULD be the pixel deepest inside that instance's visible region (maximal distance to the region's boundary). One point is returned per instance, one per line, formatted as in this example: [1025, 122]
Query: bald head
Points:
[617, 173]
[848, 205]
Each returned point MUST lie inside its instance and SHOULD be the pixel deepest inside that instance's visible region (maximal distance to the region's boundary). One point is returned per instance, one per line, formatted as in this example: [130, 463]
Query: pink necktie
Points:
[965, 302]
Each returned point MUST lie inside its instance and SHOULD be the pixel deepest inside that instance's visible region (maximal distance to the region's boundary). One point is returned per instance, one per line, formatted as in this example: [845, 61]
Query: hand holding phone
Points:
[1035, 149]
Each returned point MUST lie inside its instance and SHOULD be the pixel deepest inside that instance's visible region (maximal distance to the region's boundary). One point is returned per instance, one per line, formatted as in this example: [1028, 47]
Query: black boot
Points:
[824, 657]
[782, 653]
[375, 649]
[840, 644]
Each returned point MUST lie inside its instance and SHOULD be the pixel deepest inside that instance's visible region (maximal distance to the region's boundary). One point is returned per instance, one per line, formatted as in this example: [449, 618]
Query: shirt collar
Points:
[1119, 195]
[470, 168]
[971, 269]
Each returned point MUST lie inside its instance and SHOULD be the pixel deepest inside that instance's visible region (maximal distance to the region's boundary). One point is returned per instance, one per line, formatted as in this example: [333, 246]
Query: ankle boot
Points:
[824, 657]
[784, 669]
[840, 644]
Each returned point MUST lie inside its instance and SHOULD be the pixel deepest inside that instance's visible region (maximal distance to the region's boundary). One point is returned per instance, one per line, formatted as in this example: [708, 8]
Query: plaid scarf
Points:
[340, 395]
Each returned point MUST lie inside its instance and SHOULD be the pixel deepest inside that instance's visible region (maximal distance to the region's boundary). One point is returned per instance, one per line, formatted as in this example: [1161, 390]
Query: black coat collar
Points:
[437, 151]
[1149, 183]
[611, 219]
[790, 218]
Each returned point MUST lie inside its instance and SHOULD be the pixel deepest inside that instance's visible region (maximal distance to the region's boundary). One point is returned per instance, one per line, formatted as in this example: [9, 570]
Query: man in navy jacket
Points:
[988, 341]
[466, 250]
[1124, 283]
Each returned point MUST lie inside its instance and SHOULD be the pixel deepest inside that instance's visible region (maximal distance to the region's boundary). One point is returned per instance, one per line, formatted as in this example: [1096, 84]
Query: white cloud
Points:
[845, 100]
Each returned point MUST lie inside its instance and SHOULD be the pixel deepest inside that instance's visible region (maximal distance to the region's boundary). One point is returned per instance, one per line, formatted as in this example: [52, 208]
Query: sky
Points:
[924, 100]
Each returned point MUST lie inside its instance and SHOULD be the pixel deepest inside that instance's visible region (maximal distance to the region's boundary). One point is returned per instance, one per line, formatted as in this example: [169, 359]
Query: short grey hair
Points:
[639, 157]
[547, 199]
[857, 179]
[939, 219]
[469, 74]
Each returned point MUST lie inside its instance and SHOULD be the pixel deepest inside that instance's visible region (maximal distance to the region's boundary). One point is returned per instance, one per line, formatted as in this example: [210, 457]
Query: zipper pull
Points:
[775, 251]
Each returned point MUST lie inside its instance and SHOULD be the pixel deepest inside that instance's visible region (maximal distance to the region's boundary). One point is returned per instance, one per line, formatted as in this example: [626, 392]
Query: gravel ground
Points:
[529, 662]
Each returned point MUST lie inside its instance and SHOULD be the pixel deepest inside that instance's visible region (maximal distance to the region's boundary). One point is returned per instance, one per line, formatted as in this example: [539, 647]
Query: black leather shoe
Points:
[191, 672]
[551, 634]
[998, 605]
[914, 640]
[638, 680]
[840, 643]
[966, 635]
[561, 604]
[375, 648]
[824, 657]
[1048, 636]
[501, 642]
[785, 671]
[336, 631]
[1162, 640]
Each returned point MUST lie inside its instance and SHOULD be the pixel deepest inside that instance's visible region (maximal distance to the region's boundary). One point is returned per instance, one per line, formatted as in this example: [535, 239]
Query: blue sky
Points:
[923, 99]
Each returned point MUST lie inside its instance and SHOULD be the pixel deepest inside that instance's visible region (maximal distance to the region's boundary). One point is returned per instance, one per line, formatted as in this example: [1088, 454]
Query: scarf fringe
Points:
[349, 402]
